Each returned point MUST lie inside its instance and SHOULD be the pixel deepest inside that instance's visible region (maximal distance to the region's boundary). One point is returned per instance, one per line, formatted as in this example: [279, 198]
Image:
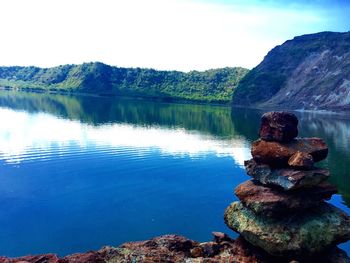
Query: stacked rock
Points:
[282, 209]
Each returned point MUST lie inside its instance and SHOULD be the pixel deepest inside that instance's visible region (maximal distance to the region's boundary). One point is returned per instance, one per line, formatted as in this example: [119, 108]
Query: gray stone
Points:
[287, 178]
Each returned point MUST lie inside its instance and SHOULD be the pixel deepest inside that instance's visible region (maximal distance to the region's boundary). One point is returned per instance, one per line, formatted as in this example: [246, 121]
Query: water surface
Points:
[78, 173]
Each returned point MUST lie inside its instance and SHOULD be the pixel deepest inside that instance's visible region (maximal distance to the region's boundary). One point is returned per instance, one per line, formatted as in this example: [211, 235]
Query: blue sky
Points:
[163, 34]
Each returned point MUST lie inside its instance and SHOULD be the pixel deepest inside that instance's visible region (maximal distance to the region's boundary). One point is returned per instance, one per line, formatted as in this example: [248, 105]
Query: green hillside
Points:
[214, 85]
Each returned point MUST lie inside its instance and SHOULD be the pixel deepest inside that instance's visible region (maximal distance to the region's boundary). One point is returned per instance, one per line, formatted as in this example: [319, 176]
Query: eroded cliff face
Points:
[319, 82]
[310, 72]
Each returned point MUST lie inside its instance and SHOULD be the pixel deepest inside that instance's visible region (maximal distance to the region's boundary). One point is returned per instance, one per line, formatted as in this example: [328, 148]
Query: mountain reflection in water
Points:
[80, 172]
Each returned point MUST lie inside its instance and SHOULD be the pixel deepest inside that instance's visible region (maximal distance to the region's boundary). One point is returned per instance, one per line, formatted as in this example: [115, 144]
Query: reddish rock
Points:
[301, 160]
[220, 237]
[278, 154]
[275, 202]
[286, 178]
[196, 252]
[278, 126]
[88, 257]
[244, 252]
[48, 258]
[173, 248]
[210, 249]
[167, 248]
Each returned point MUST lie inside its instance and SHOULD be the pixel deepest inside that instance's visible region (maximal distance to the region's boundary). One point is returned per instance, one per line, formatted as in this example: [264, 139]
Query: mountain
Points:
[309, 72]
[214, 85]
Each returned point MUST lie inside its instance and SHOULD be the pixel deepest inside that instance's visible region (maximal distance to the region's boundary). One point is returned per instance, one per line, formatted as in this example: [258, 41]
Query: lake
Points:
[81, 172]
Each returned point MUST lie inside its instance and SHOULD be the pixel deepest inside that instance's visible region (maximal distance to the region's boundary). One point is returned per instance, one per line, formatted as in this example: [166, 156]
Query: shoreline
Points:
[175, 248]
[113, 96]
[339, 113]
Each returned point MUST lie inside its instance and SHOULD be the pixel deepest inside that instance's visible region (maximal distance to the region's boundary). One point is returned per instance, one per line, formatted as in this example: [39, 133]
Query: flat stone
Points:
[287, 178]
[301, 160]
[304, 233]
[278, 203]
[278, 154]
[278, 126]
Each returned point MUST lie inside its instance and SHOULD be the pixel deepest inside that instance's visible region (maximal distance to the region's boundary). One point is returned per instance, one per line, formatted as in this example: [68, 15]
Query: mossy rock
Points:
[294, 235]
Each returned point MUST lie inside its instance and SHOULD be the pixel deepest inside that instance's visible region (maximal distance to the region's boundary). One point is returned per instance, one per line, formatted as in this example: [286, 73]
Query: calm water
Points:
[78, 173]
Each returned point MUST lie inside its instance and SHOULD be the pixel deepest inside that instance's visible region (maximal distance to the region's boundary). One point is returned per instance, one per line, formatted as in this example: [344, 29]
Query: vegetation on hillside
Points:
[214, 85]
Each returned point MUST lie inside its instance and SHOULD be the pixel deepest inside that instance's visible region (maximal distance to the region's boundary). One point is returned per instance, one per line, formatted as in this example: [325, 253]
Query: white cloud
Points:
[171, 34]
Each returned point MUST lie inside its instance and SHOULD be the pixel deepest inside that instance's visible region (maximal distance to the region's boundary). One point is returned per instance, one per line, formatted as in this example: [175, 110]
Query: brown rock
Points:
[301, 160]
[164, 249]
[210, 249]
[278, 126]
[287, 178]
[220, 237]
[167, 248]
[244, 252]
[88, 257]
[48, 258]
[196, 252]
[278, 154]
[275, 202]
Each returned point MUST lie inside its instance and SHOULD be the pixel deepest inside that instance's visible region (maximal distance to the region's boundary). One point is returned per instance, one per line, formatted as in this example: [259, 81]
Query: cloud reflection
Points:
[23, 134]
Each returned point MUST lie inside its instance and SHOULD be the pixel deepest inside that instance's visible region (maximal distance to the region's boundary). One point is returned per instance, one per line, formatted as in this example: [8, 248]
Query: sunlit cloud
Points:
[173, 34]
[26, 136]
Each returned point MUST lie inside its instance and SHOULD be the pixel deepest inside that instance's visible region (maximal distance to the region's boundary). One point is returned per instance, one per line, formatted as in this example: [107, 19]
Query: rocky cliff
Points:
[308, 72]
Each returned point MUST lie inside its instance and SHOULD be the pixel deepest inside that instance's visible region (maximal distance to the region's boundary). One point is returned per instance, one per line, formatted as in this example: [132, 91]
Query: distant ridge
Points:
[214, 85]
[309, 72]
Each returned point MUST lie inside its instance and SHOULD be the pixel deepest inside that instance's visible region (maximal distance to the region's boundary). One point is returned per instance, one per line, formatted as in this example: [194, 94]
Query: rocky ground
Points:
[173, 248]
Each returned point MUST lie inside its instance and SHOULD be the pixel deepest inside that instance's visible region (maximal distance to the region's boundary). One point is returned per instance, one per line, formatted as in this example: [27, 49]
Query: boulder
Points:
[276, 202]
[243, 252]
[301, 160]
[287, 178]
[278, 154]
[307, 233]
[278, 126]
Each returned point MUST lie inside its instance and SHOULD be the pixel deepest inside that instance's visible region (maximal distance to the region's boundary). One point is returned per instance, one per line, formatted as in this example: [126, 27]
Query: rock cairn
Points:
[282, 210]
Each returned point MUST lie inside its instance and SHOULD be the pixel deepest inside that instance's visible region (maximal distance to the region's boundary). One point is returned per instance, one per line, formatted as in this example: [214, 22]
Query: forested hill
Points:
[214, 85]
